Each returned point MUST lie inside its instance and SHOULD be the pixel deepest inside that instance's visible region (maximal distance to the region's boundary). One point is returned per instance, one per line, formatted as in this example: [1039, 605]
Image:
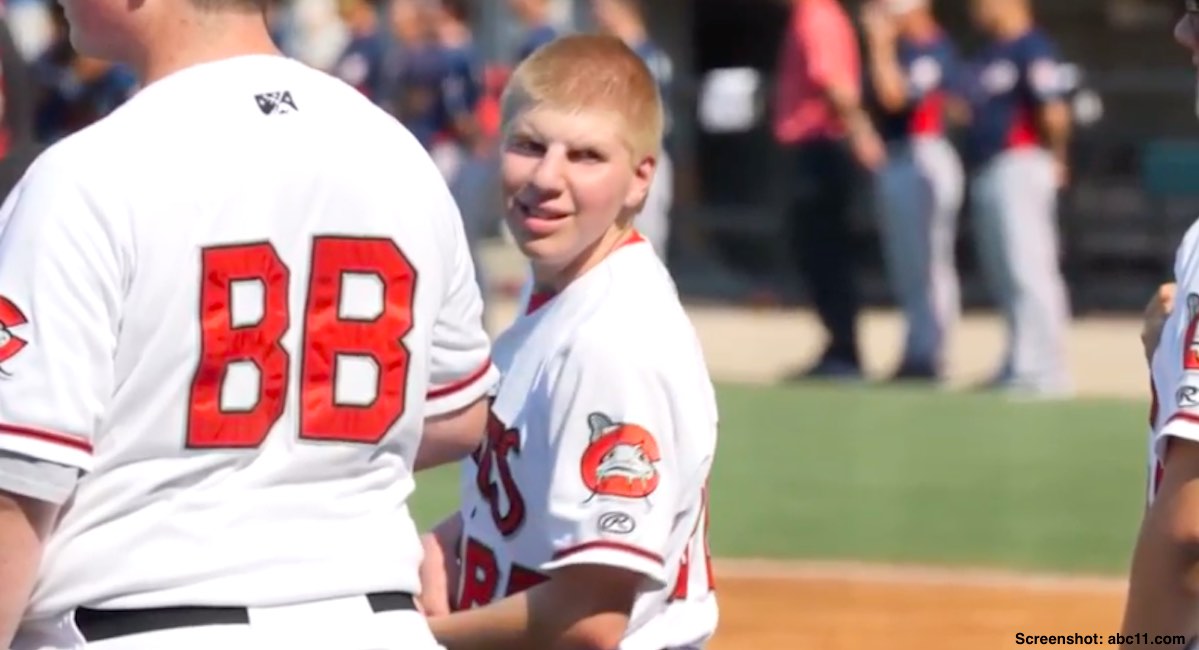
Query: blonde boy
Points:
[583, 518]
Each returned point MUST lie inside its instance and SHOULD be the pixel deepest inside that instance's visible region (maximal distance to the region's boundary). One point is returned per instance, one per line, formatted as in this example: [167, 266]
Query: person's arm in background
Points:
[19, 93]
[1044, 81]
[831, 55]
[887, 77]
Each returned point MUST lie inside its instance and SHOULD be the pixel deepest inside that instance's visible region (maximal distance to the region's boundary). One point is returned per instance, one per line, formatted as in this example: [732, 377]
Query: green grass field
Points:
[908, 475]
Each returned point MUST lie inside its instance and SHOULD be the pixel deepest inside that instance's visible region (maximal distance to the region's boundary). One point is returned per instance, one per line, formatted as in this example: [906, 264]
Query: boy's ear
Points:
[643, 176]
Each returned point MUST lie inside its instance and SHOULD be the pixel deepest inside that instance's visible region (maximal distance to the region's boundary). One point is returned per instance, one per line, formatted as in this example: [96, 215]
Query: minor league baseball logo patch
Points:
[1190, 353]
[620, 459]
[10, 344]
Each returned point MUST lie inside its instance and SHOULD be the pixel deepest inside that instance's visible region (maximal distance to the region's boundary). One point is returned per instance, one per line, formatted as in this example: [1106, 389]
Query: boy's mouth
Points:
[526, 211]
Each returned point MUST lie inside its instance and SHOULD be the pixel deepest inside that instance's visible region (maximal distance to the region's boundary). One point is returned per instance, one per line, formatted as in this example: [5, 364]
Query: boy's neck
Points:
[201, 39]
[555, 280]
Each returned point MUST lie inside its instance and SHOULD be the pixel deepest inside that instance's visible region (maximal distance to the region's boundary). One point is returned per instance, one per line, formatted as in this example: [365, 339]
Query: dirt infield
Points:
[791, 606]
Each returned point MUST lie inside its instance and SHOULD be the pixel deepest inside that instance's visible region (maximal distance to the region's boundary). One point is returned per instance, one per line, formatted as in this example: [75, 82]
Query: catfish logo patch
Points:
[620, 459]
[10, 344]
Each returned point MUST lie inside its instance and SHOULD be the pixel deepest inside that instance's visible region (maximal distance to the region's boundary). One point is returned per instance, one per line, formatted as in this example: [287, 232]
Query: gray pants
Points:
[919, 194]
[1015, 214]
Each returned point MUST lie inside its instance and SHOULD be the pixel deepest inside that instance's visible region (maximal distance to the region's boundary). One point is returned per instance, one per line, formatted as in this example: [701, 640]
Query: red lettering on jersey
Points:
[492, 455]
[328, 335]
[681, 586]
[523, 579]
[480, 575]
[223, 343]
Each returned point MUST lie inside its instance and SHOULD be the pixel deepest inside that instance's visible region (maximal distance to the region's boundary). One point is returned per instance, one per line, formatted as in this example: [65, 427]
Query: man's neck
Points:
[202, 39]
[366, 25]
[454, 35]
[921, 27]
[1012, 26]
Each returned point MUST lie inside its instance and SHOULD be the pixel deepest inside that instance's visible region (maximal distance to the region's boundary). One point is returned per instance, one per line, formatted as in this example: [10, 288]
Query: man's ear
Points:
[643, 177]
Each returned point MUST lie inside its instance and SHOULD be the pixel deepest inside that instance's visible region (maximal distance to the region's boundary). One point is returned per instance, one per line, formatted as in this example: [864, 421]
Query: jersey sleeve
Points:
[460, 368]
[614, 487]
[1180, 339]
[61, 287]
[1042, 71]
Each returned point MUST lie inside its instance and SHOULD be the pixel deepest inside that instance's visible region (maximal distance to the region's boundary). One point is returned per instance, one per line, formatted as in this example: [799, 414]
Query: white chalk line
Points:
[893, 574]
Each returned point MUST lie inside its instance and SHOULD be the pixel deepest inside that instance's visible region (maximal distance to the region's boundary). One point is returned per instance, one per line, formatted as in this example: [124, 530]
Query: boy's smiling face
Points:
[570, 184]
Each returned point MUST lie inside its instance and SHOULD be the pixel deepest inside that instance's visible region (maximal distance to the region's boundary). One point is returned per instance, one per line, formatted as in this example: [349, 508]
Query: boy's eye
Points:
[586, 155]
[526, 146]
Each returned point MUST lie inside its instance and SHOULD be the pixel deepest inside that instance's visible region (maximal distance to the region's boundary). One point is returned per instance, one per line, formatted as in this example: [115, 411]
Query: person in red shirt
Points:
[820, 121]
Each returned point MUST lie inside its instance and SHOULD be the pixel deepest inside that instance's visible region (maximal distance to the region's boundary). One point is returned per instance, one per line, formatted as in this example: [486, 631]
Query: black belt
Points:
[100, 624]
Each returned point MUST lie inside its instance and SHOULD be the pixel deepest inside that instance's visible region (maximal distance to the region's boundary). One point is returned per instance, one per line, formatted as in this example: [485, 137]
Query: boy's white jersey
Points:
[1175, 364]
[601, 438]
[232, 304]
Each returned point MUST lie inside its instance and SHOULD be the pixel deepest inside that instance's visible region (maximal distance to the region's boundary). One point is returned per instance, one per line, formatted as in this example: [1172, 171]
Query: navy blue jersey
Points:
[68, 102]
[420, 71]
[533, 39]
[1009, 83]
[361, 65]
[462, 85]
[931, 70]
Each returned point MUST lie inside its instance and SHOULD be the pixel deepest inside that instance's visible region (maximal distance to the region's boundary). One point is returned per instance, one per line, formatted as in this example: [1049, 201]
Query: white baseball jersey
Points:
[232, 304]
[601, 437]
[1175, 363]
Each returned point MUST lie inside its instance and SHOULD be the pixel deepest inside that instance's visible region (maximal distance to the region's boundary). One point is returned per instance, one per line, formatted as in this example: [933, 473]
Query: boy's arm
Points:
[611, 443]
[581, 607]
[440, 568]
[1163, 592]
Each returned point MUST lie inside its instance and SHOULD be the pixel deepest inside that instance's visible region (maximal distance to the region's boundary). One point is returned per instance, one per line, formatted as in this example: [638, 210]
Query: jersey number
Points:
[481, 576]
[244, 314]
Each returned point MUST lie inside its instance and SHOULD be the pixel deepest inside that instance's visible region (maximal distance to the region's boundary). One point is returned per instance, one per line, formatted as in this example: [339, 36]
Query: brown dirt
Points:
[855, 608]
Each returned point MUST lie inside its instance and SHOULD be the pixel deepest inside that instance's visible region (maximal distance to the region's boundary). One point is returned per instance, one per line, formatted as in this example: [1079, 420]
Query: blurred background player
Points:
[625, 19]
[1018, 143]
[361, 62]
[911, 61]
[820, 123]
[74, 90]
[534, 17]
[460, 149]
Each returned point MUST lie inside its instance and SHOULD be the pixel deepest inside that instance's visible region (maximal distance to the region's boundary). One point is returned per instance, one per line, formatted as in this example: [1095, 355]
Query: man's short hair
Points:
[589, 72]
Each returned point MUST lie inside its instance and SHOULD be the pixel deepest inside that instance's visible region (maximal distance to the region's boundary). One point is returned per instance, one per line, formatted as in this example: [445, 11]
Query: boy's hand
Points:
[438, 571]
[1155, 316]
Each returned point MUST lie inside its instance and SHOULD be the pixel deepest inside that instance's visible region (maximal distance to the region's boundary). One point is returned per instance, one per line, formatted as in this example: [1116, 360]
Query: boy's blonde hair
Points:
[585, 72]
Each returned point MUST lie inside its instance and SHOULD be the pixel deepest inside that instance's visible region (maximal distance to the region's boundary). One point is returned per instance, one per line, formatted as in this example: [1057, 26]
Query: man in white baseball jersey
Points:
[583, 521]
[228, 312]
[1163, 591]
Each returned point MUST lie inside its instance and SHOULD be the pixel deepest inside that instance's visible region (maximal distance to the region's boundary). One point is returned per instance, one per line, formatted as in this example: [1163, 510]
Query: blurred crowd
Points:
[876, 93]
[884, 94]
